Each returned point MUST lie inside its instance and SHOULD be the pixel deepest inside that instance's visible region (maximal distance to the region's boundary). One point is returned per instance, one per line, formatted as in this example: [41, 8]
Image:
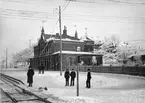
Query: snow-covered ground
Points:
[105, 88]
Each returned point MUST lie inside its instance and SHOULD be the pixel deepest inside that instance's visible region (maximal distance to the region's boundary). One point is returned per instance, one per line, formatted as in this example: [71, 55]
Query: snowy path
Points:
[105, 88]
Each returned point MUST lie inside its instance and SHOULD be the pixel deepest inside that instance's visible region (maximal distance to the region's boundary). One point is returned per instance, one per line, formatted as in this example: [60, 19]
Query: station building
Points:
[47, 52]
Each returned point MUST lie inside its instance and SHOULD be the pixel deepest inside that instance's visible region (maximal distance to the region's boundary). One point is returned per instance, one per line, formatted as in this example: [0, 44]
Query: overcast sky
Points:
[21, 20]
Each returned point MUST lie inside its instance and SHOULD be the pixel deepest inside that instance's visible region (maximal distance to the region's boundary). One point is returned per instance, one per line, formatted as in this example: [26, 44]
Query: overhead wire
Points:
[109, 2]
[100, 19]
[45, 15]
[35, 12]
[24, 2]
[125, 2]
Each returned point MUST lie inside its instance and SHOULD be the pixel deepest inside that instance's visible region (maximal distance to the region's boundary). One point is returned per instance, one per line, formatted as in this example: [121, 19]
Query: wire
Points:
[24, 2]
[41, 14]
[26, 17]
[109, 2]
[79, 20]
[116, 2]
[119, 1]
[65, 6]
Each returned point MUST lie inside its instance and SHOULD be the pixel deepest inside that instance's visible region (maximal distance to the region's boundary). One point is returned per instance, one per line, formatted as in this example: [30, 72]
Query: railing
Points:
[131, 70]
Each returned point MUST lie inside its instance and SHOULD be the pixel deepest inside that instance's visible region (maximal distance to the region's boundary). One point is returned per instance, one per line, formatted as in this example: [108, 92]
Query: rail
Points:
[17, 83]
[11, 78]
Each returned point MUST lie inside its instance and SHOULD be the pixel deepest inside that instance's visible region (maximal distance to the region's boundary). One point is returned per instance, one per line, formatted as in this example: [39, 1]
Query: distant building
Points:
[137, 59]
[48, 51]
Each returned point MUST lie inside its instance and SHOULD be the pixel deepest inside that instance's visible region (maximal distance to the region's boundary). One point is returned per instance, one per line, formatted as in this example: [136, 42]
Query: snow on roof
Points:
[74, 52]
[67, 39]
[84, 38]
[50, 39]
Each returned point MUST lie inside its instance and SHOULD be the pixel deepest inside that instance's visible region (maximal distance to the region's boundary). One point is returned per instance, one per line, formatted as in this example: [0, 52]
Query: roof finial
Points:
[86, 32]
[42, 30]
[76, 33]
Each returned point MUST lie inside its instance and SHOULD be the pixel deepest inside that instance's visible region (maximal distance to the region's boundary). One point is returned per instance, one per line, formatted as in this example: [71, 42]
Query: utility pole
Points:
[60, 40]
[6, 58]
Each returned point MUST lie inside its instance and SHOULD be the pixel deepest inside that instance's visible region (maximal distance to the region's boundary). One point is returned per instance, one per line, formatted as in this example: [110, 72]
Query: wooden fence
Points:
[131, 70]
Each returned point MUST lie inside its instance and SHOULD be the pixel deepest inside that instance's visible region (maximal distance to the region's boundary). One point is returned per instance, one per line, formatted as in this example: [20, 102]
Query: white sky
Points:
[102, 18]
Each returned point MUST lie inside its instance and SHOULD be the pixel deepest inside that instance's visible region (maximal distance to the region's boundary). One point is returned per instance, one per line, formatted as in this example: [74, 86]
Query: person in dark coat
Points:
[39, 68]
[42, 68]
[73, 75]
[67, 75]
[30, 74]
[88, 84]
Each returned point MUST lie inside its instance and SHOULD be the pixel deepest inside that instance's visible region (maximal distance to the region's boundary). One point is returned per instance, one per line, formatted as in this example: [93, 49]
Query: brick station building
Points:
[72, 47]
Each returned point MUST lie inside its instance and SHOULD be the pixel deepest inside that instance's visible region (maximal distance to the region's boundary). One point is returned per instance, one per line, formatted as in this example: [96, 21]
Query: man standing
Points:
[88, 84]
[73, 75]
[66, 75]
[39, 68]
[42, 68]
[30, 74]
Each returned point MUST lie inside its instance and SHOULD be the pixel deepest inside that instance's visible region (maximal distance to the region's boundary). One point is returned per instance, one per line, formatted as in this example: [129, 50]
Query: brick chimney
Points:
[65, 31]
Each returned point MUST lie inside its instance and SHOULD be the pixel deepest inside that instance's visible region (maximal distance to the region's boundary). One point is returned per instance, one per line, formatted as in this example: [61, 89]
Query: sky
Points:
[21, 20]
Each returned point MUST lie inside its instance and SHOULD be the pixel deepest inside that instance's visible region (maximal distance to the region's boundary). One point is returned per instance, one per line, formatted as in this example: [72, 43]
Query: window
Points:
[70, 61]
[78, 49]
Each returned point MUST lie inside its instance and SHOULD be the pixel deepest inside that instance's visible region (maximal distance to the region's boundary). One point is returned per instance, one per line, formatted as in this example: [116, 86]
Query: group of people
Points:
[41, 69]
[67, 75]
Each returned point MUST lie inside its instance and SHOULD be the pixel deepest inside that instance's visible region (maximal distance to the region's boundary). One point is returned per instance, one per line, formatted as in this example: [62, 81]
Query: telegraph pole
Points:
[60, 40]
[6, 58]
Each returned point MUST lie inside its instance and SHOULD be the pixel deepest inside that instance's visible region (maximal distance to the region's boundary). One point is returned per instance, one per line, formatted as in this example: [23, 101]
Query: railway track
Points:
[15, 91]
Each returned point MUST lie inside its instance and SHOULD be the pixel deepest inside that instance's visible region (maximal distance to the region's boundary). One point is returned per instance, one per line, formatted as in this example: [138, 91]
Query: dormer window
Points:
[78, 49]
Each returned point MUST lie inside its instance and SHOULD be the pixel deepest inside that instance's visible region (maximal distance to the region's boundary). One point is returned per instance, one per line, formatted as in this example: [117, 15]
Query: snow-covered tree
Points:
[23, 56]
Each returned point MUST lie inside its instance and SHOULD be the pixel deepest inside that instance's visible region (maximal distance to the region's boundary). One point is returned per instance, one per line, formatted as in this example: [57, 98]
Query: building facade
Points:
[47, 52]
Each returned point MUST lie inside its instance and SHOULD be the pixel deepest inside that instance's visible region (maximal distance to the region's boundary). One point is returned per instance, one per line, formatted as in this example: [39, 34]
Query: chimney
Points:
[65, 31]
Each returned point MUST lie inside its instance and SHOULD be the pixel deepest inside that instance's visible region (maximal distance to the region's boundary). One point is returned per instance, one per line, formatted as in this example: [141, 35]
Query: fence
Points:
[131, 70]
